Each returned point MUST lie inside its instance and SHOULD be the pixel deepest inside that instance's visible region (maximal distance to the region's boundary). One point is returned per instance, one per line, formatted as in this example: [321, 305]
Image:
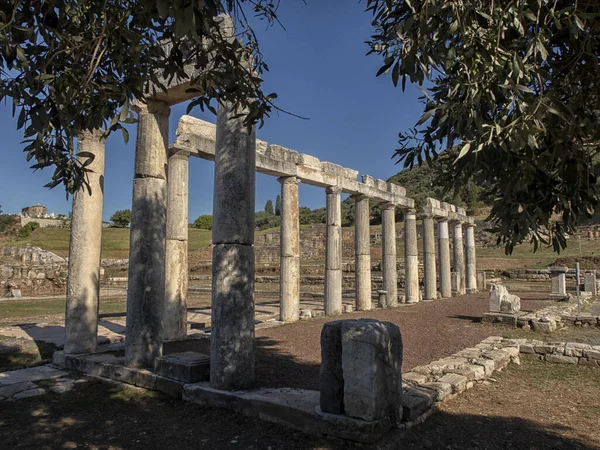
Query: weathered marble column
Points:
[83, 282]
[430, 291]
[444, 257]
[176, 253]
[146, 285]
[333, 253]
[470, 259]
[232, 338]
[411, 257]
[459, 257]
[362, 253]
[388, 244]
[289, 277]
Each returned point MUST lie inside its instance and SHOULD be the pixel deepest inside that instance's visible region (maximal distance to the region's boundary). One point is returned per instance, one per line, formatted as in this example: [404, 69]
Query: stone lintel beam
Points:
[198, 138]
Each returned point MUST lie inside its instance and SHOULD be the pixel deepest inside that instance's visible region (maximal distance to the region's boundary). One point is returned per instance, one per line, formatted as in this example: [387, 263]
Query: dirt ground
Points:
[290, 355]
[534, 406]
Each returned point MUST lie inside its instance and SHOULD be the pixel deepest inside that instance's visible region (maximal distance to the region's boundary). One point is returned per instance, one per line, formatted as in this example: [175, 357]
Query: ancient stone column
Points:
[289, 284]
[83, 282]
[232, 330]
[444, 256]
[459, 258]
[146, 279]
[362, 254]
[411, 257]
[333, 253]
[176, 253]
[388, 244]
[430, 292]
[470, 259]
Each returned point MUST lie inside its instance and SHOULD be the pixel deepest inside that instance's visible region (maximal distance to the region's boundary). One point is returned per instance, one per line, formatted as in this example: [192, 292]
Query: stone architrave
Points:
[176, 253]
[589, 282]
[430, 282]
[444, 257]
[559, 282]
[361, 371]
[459, 258]
[289, 287]
[362, 254]
[232, 331]
[411, 259]
[83, 282]
[333, 253]
[146, 285]
[470, 259]
[388, 243]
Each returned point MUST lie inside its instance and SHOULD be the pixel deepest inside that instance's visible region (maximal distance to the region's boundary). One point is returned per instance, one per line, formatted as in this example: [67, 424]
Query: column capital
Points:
[388, 205]
[468, 225]
[178, 154]
[333, 189]
[359, 197]
[93, 135]
[289, 180]
[410, 211]
[151, 107]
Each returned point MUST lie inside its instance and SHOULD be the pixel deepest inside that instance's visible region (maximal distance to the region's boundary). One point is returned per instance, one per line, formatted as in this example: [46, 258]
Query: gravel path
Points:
[290, 355]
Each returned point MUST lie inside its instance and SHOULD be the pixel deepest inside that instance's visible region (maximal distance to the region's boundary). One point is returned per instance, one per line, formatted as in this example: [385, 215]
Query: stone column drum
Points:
[388, 244]
[289, 284]
[470, 259]
[459, 258]
[444, 256]
[232, 346]
[146, 286]
[83, 282]
[362, 254]
[176, 267]
[333, 253]
[411, 258]
[429, 258]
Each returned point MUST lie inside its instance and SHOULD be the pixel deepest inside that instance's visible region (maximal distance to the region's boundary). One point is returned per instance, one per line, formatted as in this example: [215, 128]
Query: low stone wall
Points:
[45, 223]
[28, 254]
[31, 271]
[538, 274]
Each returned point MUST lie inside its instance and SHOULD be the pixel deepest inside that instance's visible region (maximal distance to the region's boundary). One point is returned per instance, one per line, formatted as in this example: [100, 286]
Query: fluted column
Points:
[362, 254]
[289, 277]
[333, 253]
[430, 291]
[388, 243]
[176, 253]
[232, 342]
[146, 286]
[83, 281]
[470, 259]
[444, 257]
[459, 258]
[411, 258]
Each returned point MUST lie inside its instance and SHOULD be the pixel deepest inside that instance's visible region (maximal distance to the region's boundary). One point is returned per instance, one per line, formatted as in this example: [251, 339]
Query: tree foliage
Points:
[121, 218]
[278, 205]
[27, 229]
[269, 208]
[71, 65]
[514, 88]
[203, 222]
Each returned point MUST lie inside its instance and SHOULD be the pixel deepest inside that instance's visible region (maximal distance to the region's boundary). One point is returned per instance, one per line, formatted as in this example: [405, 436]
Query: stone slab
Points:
[188, 367]
[30, 374]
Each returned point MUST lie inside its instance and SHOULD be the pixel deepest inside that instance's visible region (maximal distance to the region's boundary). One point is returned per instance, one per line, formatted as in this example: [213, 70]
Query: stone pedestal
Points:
[362, 254]
[388, 243]
[289, 287]
[459, 258]
[83, 282]
[470, 260]
[146, 286]
[430, 283]
[411, 259]
[444, 257]
[232, 330]
[176, 254]
[559, 282]
[361, 372]
[589, 282]
[333, 253]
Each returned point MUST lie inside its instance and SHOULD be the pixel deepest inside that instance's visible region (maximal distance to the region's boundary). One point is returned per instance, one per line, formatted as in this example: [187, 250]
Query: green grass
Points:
[42, 307]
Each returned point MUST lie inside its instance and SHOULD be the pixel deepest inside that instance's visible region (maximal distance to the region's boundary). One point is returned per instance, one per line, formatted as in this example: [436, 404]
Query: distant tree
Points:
[278, 205]
[6, 221]
[121, 218]
[269, 207]
[203, 222]
[29, 228]
[264, 220]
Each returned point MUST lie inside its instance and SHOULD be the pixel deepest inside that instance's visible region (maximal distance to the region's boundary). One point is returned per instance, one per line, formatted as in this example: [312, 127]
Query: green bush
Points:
[29, 228]
[203, 222]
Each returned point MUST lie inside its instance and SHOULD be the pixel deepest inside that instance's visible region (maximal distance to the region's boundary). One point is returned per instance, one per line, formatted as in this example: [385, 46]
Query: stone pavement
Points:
[24, 383]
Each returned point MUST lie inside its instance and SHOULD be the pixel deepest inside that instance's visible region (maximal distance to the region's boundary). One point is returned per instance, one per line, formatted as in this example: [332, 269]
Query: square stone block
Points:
[187, 367]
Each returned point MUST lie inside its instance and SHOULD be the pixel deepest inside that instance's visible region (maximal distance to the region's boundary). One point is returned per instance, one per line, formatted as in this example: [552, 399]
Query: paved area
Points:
[25, 383]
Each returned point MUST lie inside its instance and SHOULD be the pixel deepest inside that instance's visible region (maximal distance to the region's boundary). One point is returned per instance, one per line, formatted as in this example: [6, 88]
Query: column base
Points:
[472, 291]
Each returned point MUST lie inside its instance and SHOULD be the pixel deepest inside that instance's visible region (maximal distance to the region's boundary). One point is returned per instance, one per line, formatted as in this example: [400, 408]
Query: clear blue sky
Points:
[319, 70]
